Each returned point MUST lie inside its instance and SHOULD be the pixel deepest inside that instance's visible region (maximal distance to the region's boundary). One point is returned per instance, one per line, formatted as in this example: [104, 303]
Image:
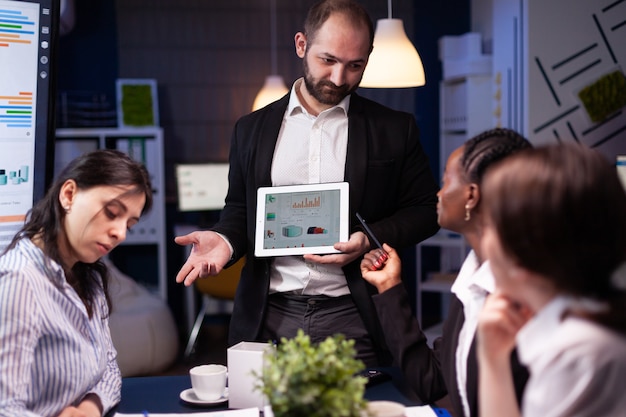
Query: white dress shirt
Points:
[51, 353]
[472, 285]
[310, 150]
[576, 366]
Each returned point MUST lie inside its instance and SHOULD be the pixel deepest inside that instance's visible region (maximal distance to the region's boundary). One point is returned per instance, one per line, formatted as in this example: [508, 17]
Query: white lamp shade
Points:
[273, 89]
[394, 61]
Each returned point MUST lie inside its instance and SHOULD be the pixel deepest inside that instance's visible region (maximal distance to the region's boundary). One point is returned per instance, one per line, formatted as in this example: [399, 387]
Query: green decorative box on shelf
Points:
[604, 96]
[137, 104]
[300, 378]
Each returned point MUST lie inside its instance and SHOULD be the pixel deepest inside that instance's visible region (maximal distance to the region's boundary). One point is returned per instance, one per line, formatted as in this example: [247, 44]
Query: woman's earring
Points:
[467, 213]
[67, 209]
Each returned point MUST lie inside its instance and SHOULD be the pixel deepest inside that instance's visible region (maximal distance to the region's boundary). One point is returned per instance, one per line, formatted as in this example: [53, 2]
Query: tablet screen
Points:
[299, 219]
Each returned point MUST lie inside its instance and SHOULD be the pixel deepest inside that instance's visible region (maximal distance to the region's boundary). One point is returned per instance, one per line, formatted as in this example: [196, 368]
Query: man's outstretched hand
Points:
[208, 256]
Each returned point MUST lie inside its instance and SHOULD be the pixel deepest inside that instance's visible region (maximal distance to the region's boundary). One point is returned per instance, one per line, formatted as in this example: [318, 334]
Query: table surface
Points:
[161, 394]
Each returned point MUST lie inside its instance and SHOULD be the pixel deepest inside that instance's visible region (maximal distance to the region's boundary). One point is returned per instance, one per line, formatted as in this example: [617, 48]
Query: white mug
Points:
[208, 381]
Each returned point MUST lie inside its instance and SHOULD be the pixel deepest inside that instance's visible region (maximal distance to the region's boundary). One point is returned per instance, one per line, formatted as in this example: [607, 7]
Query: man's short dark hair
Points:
[323, 9]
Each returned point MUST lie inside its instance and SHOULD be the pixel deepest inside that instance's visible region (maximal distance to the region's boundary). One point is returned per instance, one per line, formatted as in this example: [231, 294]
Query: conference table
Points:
[161, 395]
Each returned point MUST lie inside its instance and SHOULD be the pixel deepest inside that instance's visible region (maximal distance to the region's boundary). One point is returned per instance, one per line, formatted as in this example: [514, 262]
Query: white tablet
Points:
[300, 219]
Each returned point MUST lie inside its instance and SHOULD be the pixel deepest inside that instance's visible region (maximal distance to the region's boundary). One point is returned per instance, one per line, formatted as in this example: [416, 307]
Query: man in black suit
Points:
[321, 132]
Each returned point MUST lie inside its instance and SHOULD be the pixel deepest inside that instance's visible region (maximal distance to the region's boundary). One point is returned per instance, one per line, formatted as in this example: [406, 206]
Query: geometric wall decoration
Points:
[562, 79]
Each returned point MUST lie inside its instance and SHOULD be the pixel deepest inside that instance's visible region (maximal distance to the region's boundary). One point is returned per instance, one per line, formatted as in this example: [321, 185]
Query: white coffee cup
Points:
[208, 381]
[385, 409]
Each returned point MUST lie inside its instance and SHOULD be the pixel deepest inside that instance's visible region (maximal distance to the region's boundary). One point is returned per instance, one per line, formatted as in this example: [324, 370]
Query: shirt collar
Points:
[474, 276]
[36, 255]
[543, 326]
[295, 106]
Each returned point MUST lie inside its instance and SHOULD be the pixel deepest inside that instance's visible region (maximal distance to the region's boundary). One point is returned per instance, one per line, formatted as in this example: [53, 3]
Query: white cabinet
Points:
[465, 111]
[465, 93]
[144, 248]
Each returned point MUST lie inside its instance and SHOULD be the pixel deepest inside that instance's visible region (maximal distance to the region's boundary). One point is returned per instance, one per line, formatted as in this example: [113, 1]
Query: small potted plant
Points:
[300, 378]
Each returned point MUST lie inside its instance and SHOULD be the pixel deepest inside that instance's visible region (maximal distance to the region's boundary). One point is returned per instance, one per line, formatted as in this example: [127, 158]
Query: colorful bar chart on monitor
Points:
[18, 83]
[23, 49]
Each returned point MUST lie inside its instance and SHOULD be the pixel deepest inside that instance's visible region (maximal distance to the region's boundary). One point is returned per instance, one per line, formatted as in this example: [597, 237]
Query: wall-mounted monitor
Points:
[28, 39]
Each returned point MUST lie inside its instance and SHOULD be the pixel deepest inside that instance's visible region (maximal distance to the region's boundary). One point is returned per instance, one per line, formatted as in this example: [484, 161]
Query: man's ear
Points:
[67, 194]
[300, 40]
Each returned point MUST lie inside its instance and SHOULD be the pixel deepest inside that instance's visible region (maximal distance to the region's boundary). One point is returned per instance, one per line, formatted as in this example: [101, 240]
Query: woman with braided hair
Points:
[450, 367]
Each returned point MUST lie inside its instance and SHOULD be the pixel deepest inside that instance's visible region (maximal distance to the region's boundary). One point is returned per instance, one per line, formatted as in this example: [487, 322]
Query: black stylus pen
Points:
[383, 257]
[369, 231]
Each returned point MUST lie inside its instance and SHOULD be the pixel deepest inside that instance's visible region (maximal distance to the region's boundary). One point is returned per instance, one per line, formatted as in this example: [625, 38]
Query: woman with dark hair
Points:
[451, 366]
[56, 354]
[555, 237]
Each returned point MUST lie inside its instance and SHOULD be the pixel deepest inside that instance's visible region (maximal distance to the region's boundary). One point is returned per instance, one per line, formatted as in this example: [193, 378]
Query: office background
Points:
[210, 58]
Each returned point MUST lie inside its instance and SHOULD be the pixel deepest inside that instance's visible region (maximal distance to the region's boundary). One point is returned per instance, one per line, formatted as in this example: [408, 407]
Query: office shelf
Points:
[453, 250]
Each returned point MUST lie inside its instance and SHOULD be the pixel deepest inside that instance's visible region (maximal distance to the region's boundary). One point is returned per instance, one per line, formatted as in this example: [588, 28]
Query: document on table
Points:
[246, 412]
[421, 411]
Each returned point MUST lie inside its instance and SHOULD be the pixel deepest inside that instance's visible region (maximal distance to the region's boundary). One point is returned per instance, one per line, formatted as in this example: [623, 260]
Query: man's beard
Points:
[325, 91]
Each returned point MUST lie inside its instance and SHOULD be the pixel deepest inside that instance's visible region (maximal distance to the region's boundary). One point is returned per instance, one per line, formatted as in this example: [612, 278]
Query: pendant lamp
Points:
[394, 61]
[274, 87]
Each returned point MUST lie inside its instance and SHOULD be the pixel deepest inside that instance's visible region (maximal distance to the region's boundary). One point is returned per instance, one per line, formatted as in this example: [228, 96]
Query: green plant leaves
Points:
[318, 380]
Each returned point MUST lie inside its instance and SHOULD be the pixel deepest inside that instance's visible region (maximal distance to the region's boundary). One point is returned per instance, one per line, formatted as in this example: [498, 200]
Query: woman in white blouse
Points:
[555, 236]
[56, 354]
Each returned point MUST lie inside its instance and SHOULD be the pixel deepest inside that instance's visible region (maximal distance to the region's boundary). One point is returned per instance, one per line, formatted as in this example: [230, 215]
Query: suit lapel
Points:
[268, 136]
[356, 158]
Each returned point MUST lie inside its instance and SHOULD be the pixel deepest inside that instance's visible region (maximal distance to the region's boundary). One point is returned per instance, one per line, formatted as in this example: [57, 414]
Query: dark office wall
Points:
[210, 60]
[88, 59]
[201, 98]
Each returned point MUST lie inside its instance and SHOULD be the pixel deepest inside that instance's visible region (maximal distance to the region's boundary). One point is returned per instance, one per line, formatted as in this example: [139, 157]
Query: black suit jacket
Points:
[391, 185]
[432, 373]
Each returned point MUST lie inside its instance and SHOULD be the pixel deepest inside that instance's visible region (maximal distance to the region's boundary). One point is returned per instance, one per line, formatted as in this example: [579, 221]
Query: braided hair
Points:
[489, 147]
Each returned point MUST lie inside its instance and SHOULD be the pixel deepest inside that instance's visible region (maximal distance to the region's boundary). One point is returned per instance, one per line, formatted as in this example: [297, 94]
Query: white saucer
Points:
[190, 397]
